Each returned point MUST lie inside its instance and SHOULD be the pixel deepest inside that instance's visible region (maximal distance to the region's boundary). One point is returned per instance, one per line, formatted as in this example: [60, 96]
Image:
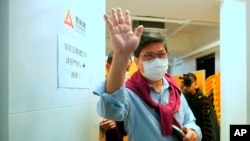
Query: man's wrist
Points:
[194, 130]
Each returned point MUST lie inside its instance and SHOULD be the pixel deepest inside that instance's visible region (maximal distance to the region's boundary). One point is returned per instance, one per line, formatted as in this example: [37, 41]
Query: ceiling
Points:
[177, 15]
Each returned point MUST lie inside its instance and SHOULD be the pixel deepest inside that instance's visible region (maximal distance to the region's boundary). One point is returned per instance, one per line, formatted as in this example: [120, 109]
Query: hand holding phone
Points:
[179, 133]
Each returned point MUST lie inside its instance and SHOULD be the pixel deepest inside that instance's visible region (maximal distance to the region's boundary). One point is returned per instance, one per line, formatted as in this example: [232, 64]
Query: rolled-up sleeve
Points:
[111, 106]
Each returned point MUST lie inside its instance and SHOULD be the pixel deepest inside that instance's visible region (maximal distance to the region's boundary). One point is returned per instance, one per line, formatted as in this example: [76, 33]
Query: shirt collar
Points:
[165, 84]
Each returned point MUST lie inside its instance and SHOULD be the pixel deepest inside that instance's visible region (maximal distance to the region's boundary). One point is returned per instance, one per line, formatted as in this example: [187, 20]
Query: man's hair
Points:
[148, 38]
[192, 75]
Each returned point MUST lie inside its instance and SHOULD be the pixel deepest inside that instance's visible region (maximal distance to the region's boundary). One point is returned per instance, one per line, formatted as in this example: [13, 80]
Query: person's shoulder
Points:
[199, 92]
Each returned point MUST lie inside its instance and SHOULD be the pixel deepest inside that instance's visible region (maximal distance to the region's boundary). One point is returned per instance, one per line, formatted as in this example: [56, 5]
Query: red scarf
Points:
[140, 86]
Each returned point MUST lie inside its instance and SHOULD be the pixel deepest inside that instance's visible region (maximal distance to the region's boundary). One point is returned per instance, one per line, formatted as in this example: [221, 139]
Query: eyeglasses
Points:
[150, 56]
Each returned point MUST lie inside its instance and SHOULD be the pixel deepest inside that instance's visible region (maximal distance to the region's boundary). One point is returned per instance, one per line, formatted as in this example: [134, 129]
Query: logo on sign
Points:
[68, 20]
[75, 22]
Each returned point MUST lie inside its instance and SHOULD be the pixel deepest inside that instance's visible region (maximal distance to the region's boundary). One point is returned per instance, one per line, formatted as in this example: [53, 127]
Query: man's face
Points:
[150, 52]
[192, 79]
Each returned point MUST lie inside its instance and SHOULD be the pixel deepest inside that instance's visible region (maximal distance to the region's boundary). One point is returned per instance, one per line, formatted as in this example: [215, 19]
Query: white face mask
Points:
[155, 69]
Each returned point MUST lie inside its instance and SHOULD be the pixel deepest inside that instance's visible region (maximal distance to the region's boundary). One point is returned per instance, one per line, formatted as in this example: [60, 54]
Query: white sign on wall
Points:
[73, 66]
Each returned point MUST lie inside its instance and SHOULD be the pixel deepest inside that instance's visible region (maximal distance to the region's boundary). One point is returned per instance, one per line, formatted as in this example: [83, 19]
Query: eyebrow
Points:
[160, 51]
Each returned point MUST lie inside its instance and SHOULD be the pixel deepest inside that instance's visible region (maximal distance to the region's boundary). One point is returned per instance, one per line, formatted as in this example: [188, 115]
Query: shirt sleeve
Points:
[189, 121]
[111, 106]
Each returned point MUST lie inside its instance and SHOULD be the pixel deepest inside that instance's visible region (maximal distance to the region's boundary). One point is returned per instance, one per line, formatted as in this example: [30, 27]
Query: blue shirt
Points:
[141, 122]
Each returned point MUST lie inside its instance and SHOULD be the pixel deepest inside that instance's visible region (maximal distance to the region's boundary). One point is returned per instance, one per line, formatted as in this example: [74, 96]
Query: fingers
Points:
[117, 17]
[190, 135]
[138, 31]
[104, 120]
[107, 124]
[185, 129]
[108, 22]
[120, 16]
[114, 17]
[127, 18]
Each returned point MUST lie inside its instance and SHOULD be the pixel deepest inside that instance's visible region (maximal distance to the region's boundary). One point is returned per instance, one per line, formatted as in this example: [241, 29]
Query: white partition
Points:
[234, 53]
[39, 110]
[4, 69]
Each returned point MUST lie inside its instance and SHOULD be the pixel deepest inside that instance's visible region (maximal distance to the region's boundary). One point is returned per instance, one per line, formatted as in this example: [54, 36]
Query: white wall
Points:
[235, 69]
[205, 36]
[4, 69]
[38, 109]
[179, 44]
[185, 65]
[248, 57]
[197, 45]
[191, 42]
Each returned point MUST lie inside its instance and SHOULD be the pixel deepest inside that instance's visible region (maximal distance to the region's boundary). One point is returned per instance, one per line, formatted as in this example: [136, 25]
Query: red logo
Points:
[68, 20]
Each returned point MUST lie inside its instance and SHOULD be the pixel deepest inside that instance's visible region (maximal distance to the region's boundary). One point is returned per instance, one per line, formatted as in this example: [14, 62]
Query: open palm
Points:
[123, 39]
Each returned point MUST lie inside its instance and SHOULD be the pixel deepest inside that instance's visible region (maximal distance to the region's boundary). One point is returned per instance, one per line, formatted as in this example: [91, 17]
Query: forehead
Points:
[153, 47]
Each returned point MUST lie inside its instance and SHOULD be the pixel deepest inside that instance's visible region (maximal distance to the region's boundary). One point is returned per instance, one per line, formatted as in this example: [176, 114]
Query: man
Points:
[108, 127]
[193, 94]
[189, 84]
[150, 102]
[202, 108]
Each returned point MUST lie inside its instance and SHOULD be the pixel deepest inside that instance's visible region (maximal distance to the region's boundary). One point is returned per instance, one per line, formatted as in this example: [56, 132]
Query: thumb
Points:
[138, 31]
[185, 130]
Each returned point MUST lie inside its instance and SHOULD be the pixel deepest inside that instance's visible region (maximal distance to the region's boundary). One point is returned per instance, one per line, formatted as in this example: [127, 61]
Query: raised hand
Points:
[123, 39]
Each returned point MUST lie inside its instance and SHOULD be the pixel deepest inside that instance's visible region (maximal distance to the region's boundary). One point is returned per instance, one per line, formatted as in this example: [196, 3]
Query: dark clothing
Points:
[193, 102]
[204, 113]
[111, 135]
[120, 129]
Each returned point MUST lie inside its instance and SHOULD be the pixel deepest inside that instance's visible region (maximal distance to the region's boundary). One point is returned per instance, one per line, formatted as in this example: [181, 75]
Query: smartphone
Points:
[179, 133]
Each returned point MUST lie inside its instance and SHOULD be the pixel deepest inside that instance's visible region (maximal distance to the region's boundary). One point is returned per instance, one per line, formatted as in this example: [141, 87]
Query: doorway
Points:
[206, 63]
